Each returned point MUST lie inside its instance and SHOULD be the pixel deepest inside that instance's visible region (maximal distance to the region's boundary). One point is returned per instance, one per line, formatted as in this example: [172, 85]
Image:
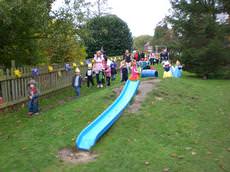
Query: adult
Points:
[164, 55]
[127, 58]
[142, 55]
[98, 68]
[137, 56]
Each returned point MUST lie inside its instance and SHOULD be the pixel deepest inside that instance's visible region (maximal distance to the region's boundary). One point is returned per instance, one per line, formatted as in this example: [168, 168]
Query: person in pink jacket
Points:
[134, 72]
[98, 68]
[108, 74]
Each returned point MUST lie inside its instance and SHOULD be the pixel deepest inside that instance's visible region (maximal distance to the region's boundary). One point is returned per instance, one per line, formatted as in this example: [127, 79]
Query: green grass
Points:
[183, 125]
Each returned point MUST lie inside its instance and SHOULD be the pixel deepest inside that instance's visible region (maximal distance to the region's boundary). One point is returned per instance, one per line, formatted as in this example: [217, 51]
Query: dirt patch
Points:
[76, 157]
[117, 91]
[145, 87]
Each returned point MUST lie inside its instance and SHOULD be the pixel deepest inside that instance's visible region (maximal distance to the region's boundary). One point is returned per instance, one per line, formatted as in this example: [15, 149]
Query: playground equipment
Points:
[149, 73]
[88, 136]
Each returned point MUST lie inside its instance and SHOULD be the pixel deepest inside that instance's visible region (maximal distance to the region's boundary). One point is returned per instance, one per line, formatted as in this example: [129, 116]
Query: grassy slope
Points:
[188, 130]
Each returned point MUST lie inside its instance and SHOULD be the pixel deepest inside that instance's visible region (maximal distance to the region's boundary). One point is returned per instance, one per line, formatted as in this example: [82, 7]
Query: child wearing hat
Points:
[33, 94]
[76, 82]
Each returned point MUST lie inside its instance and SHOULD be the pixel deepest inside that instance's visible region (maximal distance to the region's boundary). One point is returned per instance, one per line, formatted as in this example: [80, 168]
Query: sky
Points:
[141, 16]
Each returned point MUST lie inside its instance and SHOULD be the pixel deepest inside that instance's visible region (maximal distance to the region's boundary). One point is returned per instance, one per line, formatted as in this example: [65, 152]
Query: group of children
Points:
[105, 70]
[172, 71]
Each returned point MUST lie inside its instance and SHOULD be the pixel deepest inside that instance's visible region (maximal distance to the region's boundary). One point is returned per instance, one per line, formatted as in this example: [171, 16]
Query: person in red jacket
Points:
[134, 72]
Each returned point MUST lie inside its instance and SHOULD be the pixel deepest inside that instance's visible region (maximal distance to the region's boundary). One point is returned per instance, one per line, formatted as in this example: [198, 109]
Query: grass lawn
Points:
[184, 125]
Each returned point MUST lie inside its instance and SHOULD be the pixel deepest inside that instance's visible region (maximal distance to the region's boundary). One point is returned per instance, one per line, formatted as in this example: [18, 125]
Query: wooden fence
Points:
[14, 90]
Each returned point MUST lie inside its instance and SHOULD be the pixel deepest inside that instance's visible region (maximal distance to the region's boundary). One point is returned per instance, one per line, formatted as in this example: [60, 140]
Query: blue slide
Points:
[88, 136]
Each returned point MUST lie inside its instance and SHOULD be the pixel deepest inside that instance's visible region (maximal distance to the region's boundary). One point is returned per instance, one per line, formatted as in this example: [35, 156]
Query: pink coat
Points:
[98, 66]
[134, 73]
[108, 72]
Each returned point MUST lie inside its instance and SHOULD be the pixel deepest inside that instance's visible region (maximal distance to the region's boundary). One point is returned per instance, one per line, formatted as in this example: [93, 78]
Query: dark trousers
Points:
[90, 80]
[124, 76]
[33, 105]
[108, 81]
[113, 77]
[102, 80]
[98, 81]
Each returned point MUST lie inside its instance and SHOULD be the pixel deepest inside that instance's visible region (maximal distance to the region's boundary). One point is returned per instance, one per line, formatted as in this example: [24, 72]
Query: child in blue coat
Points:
[76, 82]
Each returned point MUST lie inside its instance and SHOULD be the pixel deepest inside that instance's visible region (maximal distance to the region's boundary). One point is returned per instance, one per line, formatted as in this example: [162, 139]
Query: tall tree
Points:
[22, 23]
[102, 7]
[201, 36]
[109, 32]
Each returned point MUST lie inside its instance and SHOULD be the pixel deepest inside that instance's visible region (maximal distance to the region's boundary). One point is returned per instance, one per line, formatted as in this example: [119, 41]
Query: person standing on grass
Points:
[98, 68]
[33, 95]
[124, 71]
[108, 75]
[76, 82]
[142, 55]
[113, 67]
[89, 75]
[127, 57]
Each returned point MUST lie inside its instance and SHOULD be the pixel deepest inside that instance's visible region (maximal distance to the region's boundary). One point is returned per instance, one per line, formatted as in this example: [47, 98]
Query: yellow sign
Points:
[17, 73]
[74, 65]
[50, 68]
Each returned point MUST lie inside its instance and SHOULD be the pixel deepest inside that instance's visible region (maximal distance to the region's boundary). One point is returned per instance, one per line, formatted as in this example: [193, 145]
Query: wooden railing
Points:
[13, 90]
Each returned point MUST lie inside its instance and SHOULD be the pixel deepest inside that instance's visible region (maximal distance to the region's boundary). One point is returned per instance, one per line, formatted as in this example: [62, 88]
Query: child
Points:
[167, 70]
[76, 82]
[134, 73]
[113, 67]
[89, 75]
[108, 75]
[124, 71]
[177, 70]
[33, 98]
[100, 78]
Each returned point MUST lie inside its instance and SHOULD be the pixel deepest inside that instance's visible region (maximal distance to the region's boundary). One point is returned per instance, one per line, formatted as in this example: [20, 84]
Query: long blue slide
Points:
[89, 135]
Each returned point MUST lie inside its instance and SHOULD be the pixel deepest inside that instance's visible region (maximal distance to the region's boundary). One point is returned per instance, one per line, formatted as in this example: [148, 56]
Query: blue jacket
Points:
[73, 80]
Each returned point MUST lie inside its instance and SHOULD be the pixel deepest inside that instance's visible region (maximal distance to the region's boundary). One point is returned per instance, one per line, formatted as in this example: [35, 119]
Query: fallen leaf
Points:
[146, 163]
[180, 156]
[209, 153]
[188, 148]
[24, 148]
[193, 153]
[173, 155]
[166, 170]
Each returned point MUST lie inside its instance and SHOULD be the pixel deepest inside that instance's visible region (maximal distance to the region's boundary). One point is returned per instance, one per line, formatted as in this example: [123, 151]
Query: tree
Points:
[101, 8]
[109, 32]
[201, 37]
[22, 23]
[165, 37]
[31, 33]
[62, 44]
[140, 41]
